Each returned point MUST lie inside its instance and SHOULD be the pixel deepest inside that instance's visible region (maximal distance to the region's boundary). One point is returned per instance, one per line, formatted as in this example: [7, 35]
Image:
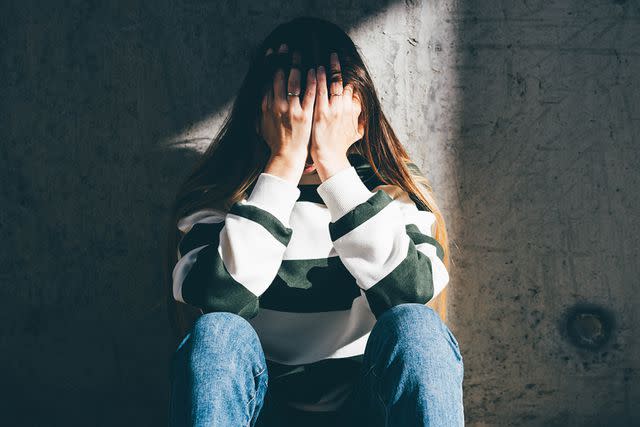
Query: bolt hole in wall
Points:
[589, 326]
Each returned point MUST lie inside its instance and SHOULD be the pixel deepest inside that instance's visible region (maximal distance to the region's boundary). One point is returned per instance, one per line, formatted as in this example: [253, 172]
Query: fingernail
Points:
[334, 56]
[321, 69]
[283, 46]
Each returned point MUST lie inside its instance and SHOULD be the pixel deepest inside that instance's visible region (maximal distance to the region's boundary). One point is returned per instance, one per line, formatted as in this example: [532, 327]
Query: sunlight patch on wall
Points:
[198, 135]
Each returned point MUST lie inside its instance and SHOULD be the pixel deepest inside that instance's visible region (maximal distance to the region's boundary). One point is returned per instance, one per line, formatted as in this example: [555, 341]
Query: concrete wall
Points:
[544, 209]
[524, 114]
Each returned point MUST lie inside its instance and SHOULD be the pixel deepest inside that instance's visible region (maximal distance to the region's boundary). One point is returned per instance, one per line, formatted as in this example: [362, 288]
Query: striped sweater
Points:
[311, 267]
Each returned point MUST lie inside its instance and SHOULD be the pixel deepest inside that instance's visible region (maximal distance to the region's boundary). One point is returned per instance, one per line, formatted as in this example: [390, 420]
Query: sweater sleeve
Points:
[387, 244]
[226, 261]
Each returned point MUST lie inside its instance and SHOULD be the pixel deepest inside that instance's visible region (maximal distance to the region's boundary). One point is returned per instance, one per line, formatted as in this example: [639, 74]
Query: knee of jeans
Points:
[410, 325]
[398, 317]
[218, 334]
[225, 326]
[217, 321]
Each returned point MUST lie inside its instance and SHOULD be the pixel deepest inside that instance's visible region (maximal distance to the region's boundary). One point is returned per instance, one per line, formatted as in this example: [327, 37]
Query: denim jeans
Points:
[411, 375]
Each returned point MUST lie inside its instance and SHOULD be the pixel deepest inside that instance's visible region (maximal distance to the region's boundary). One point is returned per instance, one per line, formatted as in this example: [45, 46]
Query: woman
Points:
[302, 254]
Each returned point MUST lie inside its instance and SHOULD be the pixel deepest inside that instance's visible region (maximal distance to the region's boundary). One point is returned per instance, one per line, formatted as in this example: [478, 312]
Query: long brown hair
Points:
[238, 154]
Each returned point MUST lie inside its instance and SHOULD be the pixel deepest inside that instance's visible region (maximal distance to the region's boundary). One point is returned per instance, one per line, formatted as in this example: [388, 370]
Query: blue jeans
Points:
[411, 375]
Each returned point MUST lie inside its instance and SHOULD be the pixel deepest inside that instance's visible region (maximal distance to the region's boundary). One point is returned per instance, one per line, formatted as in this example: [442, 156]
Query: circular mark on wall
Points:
[589, 326]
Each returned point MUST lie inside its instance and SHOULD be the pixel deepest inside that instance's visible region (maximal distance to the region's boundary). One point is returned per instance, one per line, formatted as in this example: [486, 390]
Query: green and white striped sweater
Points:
[311, 267]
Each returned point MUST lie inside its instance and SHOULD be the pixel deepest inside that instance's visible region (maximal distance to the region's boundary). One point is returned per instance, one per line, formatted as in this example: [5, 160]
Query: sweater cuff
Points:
[275, 195]
[342, 192]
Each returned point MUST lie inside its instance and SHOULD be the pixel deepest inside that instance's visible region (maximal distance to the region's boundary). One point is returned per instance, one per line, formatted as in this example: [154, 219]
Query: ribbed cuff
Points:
[275, 195]
[342, 192]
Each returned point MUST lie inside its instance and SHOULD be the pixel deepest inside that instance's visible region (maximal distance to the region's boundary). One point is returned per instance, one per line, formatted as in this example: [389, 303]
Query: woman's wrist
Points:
[286, 166]
[329, 165]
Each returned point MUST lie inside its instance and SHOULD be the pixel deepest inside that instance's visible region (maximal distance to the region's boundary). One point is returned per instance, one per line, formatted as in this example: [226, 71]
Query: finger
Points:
[347, 103]
[348, 107]
[354, 100]
[279, 87]
[347, 94]
[336, 77]
[321, 89]
[310, 91]
[356, 108]
[294, 80]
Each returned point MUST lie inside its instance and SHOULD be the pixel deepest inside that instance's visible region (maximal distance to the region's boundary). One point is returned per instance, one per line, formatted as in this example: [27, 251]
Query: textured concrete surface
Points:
[544, 208]
[524, 114]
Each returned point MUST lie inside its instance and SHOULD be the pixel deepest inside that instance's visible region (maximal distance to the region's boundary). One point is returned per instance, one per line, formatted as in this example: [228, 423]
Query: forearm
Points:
[380, 243]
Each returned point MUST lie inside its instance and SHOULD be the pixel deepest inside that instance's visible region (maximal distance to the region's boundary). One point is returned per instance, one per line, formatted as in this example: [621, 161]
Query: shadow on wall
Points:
[90, 90]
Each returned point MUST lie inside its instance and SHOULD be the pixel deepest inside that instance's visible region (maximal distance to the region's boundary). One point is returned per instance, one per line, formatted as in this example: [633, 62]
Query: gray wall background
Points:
[524, 114]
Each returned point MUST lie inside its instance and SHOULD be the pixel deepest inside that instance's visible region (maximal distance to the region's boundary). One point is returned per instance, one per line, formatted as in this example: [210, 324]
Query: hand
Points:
[285, 123]
[336, 125]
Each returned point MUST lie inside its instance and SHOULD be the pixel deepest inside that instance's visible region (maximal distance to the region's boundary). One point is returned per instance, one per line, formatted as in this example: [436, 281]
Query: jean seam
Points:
[376, 388]
[260, 373]
[454, 344]
[255, 391]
